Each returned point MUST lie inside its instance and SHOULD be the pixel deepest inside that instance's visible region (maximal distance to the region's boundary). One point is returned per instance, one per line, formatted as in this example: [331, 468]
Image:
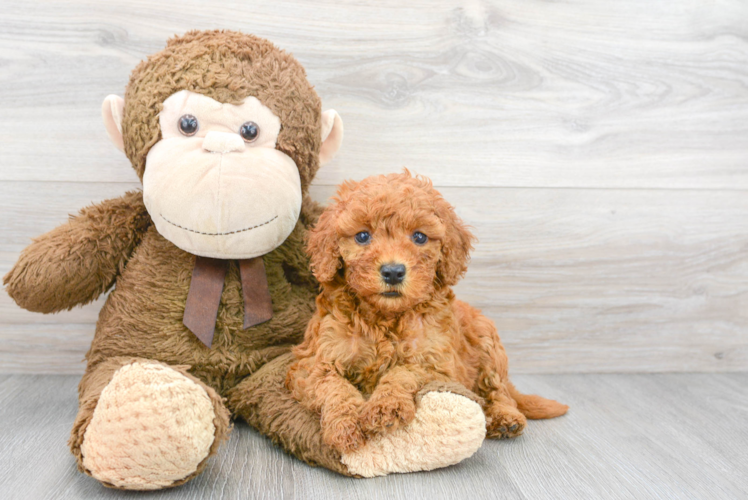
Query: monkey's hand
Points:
[78, 261]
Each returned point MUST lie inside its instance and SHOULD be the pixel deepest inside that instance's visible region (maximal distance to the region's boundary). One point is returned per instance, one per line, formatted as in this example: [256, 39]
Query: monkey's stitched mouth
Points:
[218, 234]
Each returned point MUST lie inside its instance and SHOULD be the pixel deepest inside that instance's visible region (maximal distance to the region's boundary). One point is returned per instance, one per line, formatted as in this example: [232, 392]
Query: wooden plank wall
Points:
[599, 149]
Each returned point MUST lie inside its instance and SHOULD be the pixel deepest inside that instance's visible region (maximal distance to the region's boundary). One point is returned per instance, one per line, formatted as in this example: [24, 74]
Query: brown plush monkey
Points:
[211, 284]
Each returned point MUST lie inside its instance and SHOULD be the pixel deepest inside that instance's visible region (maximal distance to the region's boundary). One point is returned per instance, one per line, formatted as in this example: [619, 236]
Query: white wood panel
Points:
[588, 93]
[576, 280]
[607, 280]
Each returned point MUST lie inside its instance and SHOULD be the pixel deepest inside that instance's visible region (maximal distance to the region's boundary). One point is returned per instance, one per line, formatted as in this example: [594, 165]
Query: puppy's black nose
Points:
[393, 274]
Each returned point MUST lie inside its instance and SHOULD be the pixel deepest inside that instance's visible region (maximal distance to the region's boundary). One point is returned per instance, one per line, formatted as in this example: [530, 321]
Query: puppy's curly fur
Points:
[376, 339]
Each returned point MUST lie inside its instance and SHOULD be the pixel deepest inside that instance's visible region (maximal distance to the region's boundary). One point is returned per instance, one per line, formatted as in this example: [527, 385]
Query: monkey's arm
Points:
[78, 261]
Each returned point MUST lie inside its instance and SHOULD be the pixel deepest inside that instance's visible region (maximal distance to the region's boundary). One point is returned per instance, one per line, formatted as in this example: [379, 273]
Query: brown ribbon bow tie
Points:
[206, 287]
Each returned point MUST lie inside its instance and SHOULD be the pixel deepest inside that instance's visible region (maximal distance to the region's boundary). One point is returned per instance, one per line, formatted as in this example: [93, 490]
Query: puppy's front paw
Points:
[342, 433]
[504, 421]
[383, 414]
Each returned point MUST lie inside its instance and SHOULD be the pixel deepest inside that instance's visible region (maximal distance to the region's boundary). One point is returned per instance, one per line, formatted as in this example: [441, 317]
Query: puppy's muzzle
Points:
[392, 274]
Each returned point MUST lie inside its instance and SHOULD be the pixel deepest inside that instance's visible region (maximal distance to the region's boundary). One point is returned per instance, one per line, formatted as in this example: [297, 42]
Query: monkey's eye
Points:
[249, 131]
[363, 237]
[419, 238]
[188, 125]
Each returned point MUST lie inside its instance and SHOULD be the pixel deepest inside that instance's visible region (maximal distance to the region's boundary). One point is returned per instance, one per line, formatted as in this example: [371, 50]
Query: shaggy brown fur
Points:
[114, 242]
[372, 346]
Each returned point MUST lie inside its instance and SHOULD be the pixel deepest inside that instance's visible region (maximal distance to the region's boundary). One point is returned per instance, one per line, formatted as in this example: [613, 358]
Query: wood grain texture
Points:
[576, 280]
[598, 148]
[626, 436]
[473, 93]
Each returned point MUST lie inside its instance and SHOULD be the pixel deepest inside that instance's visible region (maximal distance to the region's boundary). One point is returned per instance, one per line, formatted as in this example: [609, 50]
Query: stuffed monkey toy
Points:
[211, 285]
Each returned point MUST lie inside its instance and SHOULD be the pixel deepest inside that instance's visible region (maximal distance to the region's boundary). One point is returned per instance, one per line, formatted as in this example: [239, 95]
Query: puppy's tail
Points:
[536, 407]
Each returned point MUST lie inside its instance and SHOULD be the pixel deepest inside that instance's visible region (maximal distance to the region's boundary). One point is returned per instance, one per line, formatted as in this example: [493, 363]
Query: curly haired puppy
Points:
[386, 252]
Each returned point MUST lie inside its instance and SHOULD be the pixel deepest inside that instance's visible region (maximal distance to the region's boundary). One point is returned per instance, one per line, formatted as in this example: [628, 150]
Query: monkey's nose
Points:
[392, 274]
[222, 142]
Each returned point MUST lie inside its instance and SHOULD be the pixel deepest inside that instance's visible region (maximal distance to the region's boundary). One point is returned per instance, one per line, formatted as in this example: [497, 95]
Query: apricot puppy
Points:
[386, 252]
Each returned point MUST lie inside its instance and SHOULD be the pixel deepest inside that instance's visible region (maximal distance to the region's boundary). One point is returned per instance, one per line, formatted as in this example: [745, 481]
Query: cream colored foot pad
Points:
[447, 429]
[152, 426]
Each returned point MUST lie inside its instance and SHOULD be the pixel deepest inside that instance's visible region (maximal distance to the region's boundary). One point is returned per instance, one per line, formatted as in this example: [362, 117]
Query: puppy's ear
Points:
[456, 246]
[322, 246]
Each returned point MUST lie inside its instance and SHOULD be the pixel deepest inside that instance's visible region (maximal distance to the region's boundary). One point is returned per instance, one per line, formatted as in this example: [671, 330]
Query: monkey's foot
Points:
[447, 429]
[151, 429]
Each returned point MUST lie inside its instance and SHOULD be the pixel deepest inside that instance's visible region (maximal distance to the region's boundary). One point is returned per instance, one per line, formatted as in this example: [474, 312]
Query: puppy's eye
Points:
[363, 237]
[419, 238]
[249, 131]
[188, 125]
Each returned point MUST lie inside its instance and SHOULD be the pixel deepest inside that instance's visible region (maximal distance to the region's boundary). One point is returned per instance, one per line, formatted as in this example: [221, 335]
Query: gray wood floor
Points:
[627, 436]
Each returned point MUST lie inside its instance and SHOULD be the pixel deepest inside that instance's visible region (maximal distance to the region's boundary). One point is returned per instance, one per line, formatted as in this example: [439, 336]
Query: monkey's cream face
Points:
[215, 185]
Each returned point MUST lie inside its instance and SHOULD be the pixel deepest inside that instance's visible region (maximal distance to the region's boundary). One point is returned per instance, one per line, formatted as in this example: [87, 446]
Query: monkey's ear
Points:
[111, 111]
[332, 135]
